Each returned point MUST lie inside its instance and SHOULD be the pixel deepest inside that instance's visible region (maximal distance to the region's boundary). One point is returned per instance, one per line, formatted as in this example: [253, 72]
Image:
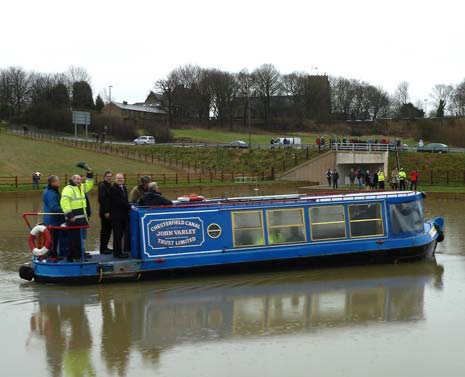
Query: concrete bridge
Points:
[314, 170]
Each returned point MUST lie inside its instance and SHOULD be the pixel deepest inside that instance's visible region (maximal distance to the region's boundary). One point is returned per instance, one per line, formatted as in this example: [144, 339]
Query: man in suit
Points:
[104, 202]
[119, 216]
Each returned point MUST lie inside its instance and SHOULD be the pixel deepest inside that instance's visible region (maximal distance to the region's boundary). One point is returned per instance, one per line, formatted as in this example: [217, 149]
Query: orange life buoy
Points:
[195, 198]
[191, 198]
[33, 235]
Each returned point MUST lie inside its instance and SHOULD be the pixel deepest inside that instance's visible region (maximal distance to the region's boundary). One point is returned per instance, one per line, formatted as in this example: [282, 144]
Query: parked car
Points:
[237, 144]
[434, 148]
[144, 140]
[286, 142]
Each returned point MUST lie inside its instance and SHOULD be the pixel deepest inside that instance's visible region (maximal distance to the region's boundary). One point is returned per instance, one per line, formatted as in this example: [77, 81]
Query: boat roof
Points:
[299, 198]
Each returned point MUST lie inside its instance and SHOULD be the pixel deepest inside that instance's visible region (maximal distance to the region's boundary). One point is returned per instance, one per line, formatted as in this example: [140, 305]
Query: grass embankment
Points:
[253, 161]
[220, 136]
[441, 172]
[20, 156]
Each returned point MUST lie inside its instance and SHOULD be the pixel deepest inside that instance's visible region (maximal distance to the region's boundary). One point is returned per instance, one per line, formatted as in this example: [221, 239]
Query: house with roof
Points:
[136, 114]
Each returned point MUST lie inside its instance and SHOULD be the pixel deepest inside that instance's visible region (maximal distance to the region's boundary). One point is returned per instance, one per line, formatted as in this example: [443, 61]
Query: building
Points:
[137, 114]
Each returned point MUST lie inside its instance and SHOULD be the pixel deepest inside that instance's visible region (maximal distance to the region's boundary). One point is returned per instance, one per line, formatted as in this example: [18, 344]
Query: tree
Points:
[6, 94]
[16, 82]
[222, 89]
[458, 99]
[82, 96]
[266, 83]
[99, 104]
[167, 87]
[342, 95]
[295, 86]
[441, 95]
[244, 82]
[76, 74]
[408, 110]
[401, 94]
[59, 98]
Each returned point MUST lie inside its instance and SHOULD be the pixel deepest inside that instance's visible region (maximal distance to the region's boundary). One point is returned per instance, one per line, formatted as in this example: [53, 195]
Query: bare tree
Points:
[167, 87]
[442, 94]
[223, 89]
[244, 82]
[295, 86]
[19, 87]
[342, 95]
[401, 94]
[76, 74]
[458, 99]
[267, 84]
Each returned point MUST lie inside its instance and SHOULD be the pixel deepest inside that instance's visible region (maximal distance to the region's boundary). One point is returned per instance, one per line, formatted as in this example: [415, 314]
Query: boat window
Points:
[327, 223]
[248, 228]
[286, 226]
[366, 220]
[407, 217]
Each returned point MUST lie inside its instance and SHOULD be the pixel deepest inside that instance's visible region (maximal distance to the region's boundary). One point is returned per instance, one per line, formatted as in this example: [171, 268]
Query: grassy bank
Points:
[428, 161]
[253, 161]
[21, 156]
[221, 136]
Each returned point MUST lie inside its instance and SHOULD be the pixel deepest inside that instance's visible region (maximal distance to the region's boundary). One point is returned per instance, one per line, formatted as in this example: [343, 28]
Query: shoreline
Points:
[298, 187]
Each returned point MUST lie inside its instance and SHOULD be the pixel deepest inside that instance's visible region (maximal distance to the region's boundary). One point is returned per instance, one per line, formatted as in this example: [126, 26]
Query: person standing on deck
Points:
[119, 216]
[138, 191]
[51, 204]
[74, 205]
[402, 179]
[104, 202]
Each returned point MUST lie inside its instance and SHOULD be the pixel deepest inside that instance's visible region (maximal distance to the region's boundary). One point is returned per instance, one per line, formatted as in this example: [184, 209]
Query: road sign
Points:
[81, 117]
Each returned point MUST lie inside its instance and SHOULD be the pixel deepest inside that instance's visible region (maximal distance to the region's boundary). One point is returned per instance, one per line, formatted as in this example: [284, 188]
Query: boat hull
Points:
[396, 255]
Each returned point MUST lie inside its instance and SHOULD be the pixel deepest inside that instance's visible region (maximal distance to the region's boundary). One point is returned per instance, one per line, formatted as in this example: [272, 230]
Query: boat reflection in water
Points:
[150, 318]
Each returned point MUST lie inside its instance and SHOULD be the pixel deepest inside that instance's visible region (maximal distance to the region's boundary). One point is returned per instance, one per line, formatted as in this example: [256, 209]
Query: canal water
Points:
[389, 320]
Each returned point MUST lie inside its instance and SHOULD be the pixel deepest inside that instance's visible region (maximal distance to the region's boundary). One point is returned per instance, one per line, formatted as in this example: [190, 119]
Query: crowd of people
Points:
[364, 179]
[71, 207]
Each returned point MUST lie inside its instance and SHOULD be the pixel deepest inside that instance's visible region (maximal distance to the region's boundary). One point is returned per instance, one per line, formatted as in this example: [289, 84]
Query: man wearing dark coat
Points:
[119, 216]
[154, 198]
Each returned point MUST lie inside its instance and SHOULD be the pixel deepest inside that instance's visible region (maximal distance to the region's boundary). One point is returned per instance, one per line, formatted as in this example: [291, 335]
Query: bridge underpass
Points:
[314, 170]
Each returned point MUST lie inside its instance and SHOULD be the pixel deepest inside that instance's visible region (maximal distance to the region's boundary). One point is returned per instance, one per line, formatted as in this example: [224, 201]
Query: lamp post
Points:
[109, 90]
[426, 106]
[250, 136]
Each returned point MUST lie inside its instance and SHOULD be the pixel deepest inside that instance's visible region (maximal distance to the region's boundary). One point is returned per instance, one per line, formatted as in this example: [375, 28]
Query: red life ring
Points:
[195, 198]
[191, 198]
[40, 252]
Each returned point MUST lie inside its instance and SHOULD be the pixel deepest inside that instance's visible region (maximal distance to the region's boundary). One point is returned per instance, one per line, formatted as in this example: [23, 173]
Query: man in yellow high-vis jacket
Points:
[73, 203]
[402, 179]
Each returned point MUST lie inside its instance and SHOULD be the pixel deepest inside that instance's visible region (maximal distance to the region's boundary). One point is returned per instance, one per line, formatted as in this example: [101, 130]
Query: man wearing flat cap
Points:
[139, 191]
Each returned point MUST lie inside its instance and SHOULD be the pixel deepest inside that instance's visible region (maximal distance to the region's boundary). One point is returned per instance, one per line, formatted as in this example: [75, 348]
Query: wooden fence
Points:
[163, 179]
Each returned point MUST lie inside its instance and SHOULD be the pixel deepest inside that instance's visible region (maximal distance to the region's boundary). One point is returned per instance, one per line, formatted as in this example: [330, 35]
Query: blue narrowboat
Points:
[273, 231]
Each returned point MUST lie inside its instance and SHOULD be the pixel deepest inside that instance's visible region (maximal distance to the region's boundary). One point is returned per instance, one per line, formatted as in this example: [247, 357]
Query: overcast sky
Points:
[130, 44]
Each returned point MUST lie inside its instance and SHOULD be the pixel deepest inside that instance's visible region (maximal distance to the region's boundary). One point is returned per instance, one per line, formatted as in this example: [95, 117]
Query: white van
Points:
[144, 140]
[286, 142]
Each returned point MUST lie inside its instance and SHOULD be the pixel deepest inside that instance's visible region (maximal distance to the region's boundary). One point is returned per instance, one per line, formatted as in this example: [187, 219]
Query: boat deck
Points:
[96, 257]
